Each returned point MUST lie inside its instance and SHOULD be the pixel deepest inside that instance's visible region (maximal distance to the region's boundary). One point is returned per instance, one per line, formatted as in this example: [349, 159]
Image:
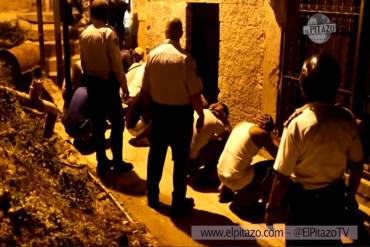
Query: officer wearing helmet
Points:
[104, 76]
[319, 142]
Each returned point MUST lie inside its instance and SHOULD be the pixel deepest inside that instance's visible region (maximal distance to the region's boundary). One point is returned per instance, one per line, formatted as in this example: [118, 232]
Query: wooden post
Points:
[67, 51]
[58, 42]
[40, 27]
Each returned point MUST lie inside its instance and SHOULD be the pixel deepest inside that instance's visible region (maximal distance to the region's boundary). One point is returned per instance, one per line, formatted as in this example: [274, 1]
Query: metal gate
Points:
[344, 45]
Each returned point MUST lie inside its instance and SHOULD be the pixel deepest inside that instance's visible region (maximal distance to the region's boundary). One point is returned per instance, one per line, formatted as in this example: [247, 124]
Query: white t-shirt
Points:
[134, 77]
[234, 166]
[212, 127]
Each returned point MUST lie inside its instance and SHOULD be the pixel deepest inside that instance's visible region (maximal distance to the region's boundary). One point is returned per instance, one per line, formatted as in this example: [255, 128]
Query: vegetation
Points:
[46, 202]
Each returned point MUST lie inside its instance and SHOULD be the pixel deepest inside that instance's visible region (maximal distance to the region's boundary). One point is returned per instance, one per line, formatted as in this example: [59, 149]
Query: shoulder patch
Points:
[296, 113]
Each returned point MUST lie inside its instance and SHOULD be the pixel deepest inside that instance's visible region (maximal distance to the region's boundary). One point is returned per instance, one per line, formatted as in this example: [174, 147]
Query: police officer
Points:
[319, 142]
[104, 75]
[171, 82]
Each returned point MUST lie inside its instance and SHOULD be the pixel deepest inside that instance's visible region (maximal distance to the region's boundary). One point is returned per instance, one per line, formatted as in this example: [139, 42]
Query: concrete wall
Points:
[250, 32]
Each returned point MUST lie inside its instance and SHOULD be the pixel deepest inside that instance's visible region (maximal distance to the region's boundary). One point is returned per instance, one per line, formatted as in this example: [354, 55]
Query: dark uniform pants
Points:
[105, 103]
[171, 126]
[330, 205]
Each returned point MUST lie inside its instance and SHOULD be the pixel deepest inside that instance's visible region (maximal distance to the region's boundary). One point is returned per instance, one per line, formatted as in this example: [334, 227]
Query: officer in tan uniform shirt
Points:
[174, 88]
[319, 142]
[104, 75]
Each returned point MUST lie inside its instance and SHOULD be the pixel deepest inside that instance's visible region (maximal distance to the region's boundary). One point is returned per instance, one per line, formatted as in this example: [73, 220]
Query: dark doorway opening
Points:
[202, 41]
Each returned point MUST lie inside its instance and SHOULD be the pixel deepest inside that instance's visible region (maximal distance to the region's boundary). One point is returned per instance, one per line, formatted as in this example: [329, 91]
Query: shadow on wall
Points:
[280, 10]
[131, 37]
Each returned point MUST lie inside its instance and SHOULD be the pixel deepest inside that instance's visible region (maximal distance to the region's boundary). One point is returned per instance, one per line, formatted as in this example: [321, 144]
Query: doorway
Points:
[202, 41]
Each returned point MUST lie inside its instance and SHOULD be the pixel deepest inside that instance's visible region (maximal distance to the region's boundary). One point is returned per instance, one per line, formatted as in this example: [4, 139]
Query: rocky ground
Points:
[46, 200]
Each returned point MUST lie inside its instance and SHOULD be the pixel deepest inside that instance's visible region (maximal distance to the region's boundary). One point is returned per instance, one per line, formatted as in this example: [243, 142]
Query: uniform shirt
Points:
[316, 145]
[100, 53]
[212, 127]
[234, 166]
[170, 75]
[134, 77]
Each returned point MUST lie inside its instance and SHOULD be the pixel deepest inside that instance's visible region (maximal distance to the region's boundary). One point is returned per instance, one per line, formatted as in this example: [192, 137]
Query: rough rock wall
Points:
[250, 33]
[275, 11]
[16, 5]
[158, 12]
[241, 57]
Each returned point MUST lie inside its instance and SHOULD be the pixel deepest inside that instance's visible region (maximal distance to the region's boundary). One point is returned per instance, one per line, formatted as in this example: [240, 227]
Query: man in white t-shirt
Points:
[207, 144]
[235, 168]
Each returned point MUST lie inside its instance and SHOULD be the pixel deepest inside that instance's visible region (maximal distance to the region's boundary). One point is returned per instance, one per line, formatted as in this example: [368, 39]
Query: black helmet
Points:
[320, 78]
[99, 10]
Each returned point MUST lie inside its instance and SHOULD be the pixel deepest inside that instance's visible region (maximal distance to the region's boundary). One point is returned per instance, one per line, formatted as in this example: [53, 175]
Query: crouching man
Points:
[208, 143]
[242, 181]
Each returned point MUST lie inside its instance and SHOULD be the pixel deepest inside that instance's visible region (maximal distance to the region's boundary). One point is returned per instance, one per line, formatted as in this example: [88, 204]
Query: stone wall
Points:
[241, 57]
[250, 34]
[16, 5]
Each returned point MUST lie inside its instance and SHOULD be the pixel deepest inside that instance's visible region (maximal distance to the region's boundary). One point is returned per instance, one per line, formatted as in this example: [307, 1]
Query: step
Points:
[51, 63]
[50, 50]
[53, 76]
[47, 17]
[363, 189]
[363, 195]
[49, 33]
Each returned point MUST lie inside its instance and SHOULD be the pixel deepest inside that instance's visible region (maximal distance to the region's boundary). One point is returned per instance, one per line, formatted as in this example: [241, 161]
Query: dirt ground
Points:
[47, 199]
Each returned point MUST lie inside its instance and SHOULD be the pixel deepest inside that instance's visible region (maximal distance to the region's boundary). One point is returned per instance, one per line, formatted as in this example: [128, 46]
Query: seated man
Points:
[234, 168]
[77, 122]
[135, 72]
[208, 143]
[135, 123]
[76, 117]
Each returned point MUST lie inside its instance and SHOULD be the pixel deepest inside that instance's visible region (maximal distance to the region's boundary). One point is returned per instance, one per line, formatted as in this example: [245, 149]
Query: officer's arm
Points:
[116, 62]
[355, 157]
[145, 97]
[196, 102]
[355, 174]
[194, 87]
[275, 211]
